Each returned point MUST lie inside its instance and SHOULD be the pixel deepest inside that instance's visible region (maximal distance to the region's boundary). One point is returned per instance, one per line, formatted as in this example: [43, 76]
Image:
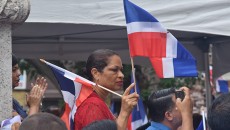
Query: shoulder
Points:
[93, 100]
[150, 128]
[92, 109]
[157, 126]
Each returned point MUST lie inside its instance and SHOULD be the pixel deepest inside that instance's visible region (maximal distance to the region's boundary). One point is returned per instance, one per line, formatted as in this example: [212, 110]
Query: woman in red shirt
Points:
[104, 67]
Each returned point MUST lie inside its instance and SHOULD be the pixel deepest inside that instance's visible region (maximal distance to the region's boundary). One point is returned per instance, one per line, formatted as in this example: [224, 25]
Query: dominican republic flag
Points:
[202, 125]
[138, 116]
[75, 89]
[148, 38]
[222, 85]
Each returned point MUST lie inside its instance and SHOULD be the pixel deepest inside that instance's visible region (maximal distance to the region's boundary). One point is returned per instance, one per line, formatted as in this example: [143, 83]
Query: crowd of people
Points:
[104, 67]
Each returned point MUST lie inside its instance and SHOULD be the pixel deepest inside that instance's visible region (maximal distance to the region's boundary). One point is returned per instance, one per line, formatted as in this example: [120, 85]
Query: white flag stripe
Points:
[217, 86]
[87, 81]
[68, 97]
[74, 110]
[171, 46]
[168, 68]
[54, 66]
[136, 124]
[203, 119]
[68, 74]
[145, 27]
[77, 89]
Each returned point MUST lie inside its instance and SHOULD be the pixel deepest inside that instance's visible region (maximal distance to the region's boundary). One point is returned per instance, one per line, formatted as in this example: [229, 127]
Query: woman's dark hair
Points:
[14, 60]
[159, 102]
[99, 60]
[101, 125]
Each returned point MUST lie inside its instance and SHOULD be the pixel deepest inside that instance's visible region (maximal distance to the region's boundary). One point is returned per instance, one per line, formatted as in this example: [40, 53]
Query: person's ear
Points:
[168, 116]
[95, 73]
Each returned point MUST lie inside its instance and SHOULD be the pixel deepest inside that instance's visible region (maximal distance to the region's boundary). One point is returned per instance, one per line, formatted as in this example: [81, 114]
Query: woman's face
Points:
[15, 75]
[111, 76]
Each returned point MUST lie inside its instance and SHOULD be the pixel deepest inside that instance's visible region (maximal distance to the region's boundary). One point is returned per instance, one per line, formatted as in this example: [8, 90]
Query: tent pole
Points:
[207, 80]
[204, 44]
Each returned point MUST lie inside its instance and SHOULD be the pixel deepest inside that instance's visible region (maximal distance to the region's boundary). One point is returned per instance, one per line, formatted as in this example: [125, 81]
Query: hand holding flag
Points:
[138, 116]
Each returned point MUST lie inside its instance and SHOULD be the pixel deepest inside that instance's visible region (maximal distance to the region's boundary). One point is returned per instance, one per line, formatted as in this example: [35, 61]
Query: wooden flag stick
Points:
[134, 79]
[42, 60]
[109, 90]
[133, 72]
[203, 118]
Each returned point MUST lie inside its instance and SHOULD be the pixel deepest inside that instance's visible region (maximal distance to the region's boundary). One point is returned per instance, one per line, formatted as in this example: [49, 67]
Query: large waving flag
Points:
[138, 116]
[75, 89]
[147, 37]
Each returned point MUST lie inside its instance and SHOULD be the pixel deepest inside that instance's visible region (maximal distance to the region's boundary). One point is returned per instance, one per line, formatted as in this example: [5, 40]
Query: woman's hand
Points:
[35, 96]
[128, 102]
[42, 83]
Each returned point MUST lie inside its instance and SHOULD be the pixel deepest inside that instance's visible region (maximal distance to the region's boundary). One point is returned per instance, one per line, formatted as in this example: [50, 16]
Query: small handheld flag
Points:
[138, 116]
[75, 89]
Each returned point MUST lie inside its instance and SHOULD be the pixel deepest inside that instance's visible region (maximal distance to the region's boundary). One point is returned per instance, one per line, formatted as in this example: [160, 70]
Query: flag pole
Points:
[42, 60]
[134, 79]
[109, 90]
[203, 118]
[133, 72]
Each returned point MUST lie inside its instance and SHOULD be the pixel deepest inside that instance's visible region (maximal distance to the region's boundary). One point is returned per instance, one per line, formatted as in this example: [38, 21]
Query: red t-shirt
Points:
[92, 109]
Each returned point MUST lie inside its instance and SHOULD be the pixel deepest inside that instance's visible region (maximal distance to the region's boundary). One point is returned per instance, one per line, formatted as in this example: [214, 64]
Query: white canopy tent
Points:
[71, 29]
[206, 16]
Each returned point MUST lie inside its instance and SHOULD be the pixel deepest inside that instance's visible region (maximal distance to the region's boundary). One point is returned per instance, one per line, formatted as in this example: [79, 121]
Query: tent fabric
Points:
[72, 29]
[206, 16]
[221, 60]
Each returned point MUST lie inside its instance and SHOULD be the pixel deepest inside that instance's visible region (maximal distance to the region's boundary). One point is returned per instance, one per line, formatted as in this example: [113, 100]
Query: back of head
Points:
[54, 110]
[159, 102]
[43, 121]
[101, 125]
[219, 113]
[14, 60]
[99, 60]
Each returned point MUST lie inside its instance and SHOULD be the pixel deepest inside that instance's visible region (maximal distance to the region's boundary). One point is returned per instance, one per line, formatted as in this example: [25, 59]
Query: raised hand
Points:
[35, 96]
[42, 83]
[185, 107]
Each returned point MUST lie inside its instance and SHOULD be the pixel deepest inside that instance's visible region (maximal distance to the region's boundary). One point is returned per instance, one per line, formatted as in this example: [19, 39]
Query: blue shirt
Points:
[157, 126]
[17, 107]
